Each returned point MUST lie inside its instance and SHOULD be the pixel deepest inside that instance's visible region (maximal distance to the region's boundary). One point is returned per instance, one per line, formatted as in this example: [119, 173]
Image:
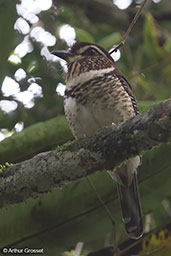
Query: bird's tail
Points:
[131, 208]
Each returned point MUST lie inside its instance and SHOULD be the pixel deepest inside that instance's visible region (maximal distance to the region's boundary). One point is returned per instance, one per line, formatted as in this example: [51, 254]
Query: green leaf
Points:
[167, 45]
[110, 40]
[82, 35]
[146, 105]
[151, 44]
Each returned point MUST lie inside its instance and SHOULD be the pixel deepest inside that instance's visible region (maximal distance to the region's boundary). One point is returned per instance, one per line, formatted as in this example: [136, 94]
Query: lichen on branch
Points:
[103, 151]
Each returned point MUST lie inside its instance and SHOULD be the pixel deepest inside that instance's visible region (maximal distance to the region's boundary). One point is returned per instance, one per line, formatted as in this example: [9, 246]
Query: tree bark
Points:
[34, 139]
[41, 137]
[75, 160]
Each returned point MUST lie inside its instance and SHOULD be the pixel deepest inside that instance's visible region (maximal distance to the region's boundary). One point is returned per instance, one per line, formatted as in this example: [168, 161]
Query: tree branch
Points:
[34, 139]
[104, 151]
[41, 137]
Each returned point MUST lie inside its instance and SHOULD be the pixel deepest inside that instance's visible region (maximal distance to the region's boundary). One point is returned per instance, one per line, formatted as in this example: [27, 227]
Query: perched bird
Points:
[98, 95]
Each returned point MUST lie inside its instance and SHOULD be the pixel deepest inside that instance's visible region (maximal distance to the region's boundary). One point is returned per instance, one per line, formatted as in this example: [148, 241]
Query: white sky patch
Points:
[20, 74]
[28, 10]
[28, 6]
[60, 89]
[68, 34]
[25, 47]
[22, 26]
[156, 1]
[30, 104]
[63, 64]
[40, 35]
[47, 38]
[27, 97]
[55, 58]
[2, 136]
[8, 105]
[19, 126]
[44, 5]
[122, 4]
[46, 53]
[24, 97]
[10, 86]
[15, 59]
[36, 90]
[116, 55]
[51, 57]
[4, 133]
[31, 17]
[33, 6]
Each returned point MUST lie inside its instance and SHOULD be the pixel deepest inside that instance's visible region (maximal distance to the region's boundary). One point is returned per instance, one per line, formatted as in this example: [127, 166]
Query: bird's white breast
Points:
[86, 76]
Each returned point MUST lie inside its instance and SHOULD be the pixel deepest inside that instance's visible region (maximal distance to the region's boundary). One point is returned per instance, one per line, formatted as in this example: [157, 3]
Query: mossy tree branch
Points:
[73, 161]
[41, 137]
[34, 139]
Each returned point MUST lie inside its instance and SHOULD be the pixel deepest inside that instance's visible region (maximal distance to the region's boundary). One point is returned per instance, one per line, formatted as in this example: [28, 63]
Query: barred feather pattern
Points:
[98, 95]
[100, 99]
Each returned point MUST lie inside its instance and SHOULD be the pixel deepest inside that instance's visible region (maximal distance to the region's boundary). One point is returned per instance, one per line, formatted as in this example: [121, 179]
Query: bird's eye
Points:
[91, 52]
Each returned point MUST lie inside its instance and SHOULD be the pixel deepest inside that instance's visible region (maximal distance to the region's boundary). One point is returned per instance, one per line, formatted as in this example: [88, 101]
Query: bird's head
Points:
[81, 50]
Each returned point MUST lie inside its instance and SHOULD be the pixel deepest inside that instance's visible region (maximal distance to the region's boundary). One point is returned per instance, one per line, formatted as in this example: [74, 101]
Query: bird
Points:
[98, 95]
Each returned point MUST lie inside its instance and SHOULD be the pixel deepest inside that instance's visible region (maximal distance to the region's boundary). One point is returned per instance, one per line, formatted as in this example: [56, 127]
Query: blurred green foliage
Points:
[145, 59]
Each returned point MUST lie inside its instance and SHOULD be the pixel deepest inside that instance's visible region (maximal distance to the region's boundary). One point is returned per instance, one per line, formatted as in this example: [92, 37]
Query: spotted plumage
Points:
[98, 95]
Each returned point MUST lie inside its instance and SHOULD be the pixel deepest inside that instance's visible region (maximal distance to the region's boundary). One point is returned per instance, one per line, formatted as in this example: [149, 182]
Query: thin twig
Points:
[129, 28]
[102, 202]
[107, 211]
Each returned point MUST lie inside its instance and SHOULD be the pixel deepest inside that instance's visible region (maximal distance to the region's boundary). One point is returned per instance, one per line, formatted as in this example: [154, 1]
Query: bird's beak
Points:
[63, 54]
